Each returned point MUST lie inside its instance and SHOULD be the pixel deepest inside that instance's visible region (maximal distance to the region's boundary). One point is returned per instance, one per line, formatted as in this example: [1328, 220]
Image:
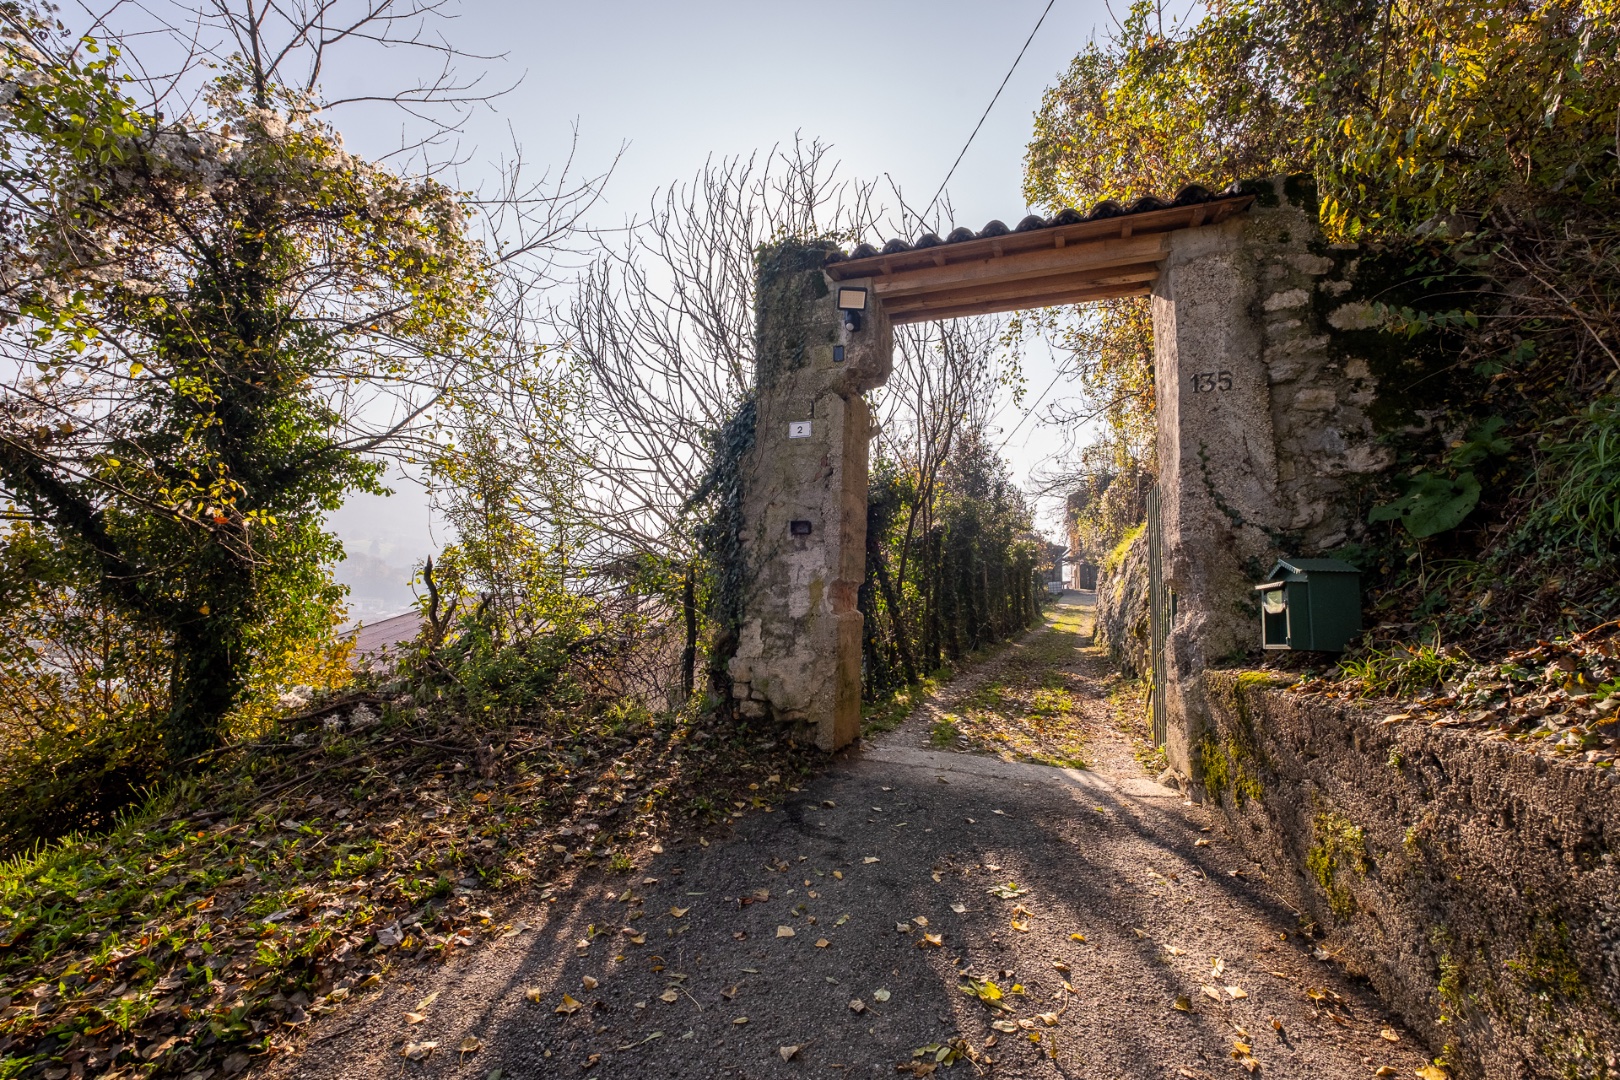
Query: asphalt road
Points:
[1143, 945]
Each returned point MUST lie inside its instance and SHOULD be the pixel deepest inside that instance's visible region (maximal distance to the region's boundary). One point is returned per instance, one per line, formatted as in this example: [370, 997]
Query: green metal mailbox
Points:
[1310, 604]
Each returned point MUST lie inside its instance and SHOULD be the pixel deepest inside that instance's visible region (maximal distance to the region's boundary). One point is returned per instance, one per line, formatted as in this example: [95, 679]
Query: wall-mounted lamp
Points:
[852, 302]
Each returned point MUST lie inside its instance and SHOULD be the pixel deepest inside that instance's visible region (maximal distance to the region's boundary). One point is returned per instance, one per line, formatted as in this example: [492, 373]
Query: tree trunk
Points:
[908, 664]
[205, 679]
[689, 654]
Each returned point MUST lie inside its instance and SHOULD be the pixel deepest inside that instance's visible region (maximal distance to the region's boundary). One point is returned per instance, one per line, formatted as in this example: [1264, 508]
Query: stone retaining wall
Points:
[1473, 882]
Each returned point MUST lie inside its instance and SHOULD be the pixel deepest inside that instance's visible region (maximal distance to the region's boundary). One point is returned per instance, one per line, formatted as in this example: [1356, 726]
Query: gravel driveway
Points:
[1126, 939]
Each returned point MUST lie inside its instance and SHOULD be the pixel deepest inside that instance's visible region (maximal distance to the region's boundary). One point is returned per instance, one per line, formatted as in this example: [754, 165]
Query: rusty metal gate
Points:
[1158, 615]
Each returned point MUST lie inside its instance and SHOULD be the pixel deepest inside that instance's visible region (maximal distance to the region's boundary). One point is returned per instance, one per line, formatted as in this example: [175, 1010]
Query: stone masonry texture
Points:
[1472, 882]
[1263, 427]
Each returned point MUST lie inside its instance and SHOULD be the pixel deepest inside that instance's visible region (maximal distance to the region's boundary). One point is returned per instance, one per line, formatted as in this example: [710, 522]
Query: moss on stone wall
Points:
[1339, 845]
[1226, 768]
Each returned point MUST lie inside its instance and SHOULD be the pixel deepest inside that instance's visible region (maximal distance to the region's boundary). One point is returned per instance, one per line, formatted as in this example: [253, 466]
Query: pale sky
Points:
[895, 86]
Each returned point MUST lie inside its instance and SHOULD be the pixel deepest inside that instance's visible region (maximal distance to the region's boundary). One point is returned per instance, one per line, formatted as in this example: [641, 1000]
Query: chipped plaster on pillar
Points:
[798, 660]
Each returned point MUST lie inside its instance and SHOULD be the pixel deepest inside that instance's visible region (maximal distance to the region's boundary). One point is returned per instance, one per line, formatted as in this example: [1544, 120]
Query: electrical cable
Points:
[987, 109]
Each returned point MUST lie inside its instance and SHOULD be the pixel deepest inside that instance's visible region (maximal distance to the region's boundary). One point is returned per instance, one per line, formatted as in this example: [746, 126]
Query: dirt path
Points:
[845, 924]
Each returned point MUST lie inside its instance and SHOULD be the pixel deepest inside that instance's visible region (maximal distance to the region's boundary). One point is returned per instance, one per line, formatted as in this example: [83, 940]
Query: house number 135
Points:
[1205, 382]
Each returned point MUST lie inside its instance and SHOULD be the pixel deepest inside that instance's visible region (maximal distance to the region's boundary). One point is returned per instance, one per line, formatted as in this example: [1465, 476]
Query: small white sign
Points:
[799, 429]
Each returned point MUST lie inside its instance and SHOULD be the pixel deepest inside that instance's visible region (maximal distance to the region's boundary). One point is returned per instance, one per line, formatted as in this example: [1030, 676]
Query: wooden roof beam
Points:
[991, 307]
[1097, 255]
[1023, 288]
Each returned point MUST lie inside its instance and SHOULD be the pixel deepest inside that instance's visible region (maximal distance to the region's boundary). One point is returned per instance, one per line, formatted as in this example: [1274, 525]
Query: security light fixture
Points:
[851, 301]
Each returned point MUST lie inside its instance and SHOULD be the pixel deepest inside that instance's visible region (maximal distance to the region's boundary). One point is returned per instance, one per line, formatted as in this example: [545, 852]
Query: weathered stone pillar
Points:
[798, 658]
[1262, 428]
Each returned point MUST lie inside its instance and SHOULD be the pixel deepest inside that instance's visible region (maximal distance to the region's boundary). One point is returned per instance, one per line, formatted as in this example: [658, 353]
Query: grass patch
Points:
[944, 733]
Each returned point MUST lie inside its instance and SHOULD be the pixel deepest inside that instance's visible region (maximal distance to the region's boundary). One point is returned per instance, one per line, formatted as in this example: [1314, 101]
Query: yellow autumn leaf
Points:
[679, 912]
[569, 1005]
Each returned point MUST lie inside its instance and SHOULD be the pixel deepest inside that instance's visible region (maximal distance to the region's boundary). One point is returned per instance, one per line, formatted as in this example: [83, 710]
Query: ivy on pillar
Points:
[803, 499]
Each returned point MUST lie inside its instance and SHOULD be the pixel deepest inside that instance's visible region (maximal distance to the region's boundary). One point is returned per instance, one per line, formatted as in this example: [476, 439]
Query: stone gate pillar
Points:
[798, 658]
[1263, 429]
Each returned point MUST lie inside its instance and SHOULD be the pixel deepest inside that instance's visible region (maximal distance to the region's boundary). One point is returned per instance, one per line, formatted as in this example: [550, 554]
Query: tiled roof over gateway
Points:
[1191, 195]
[1114, 251]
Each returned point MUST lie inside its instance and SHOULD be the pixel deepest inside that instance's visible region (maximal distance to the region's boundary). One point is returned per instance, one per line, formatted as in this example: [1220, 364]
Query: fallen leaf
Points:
[1026, 1024]
[1239, 1048]
[1201, 843]
[1173, 951]
[569, 1006]
[856, 1005]
[1386, 1070]
[415, 1017]
[741, 1020]
[415, 1051]
[959, 907]
[589, 982]
[1237, 991]
[784, 931]
[1216, 967]
[788, 1052]
[880, 995]
[534, 994]
[839, 874]
[470, 1045]
[670, 996]
[1060, 966]
[1276, 1024]
[822, 943]
[1050, 1019]
[1433, 1072]
[679, 912]
[870, 859]
[1389, 1035]
[1004, 1025]
[638, 939]
[936, 940]
[1183, 1003]
[1078, 937]
[1210, 992]
[1008, 891]
[762, 895]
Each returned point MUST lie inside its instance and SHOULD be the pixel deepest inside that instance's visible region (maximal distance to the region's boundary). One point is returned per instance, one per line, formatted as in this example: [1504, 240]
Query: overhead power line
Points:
[987, 109]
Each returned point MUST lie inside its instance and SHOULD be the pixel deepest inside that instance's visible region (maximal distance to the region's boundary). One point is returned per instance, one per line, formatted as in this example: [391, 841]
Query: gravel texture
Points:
[891, 835]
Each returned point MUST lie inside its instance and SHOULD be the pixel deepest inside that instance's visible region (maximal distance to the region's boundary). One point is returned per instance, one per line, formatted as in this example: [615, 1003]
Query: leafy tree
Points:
[212, 319]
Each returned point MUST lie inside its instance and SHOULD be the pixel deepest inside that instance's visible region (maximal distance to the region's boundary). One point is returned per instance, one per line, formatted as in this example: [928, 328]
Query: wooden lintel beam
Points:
[1022, 288]
[991, 307]
[1095, 254]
